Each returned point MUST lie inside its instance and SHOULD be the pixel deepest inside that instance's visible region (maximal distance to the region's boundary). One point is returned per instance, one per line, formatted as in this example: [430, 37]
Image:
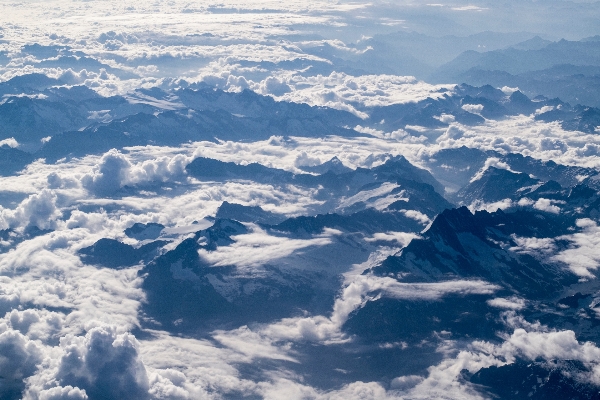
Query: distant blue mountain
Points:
[521, 59]
[569, 70]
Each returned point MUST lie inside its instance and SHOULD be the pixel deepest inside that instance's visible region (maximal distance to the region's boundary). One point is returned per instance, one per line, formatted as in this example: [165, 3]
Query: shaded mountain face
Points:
[114, 254]
[186, 292]
[508, 189]
[495, 185]
[537, 380]
[13, 160]
[460, 244]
